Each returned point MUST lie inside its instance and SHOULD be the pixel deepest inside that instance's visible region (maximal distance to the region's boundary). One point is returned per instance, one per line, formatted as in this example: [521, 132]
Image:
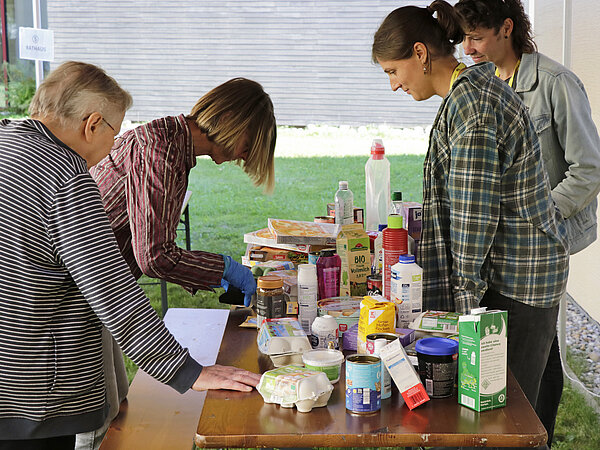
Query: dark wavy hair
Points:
[492, 14]
[403, 27]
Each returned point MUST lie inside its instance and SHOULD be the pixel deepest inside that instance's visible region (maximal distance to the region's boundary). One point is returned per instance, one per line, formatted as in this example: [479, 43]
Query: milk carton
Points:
[482, 359]
[353, 248]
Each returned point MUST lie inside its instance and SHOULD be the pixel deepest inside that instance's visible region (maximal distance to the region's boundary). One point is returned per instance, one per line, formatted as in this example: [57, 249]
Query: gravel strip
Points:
[583, 339]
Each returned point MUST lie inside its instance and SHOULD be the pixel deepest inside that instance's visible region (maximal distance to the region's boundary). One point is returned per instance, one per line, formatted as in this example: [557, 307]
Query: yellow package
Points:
[377, 315]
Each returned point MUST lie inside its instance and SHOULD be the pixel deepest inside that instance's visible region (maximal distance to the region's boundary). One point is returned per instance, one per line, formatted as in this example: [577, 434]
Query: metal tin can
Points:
[374, 284]
[363, 384]
[313, 257]
[374, 343]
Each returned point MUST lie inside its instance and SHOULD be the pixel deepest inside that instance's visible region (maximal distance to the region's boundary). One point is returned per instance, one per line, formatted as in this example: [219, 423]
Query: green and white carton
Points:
[482, 352]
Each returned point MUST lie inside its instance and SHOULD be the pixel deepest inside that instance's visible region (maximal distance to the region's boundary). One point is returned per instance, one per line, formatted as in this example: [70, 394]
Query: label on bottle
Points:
[331, 281]
[307, 306]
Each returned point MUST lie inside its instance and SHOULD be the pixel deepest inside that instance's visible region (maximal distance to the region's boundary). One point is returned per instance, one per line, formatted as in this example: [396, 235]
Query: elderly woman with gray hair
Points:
[62, 277]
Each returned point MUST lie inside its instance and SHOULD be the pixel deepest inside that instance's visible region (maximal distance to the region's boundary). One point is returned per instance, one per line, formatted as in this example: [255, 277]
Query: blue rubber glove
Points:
[239, 276]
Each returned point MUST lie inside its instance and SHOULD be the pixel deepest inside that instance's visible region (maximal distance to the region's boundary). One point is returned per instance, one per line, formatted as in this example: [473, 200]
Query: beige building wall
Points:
[584, 277]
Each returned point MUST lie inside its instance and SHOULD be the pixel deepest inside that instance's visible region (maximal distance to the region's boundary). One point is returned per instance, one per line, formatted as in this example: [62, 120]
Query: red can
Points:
[374, 284]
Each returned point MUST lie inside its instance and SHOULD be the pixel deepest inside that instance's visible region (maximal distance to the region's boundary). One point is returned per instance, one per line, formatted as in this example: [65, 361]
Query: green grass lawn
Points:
[225, 205]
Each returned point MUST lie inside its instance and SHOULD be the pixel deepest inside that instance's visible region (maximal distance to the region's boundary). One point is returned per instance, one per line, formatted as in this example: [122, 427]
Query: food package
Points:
[299, 232]
[377, 315]
[266, 238]
[442, 322]
[345, 310]
[295, 385]
[263, 268]
[352, 246]
[263, 253]
[283, 340]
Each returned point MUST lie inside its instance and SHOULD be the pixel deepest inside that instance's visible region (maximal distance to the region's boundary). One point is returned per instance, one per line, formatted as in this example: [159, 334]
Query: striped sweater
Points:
[61, 277]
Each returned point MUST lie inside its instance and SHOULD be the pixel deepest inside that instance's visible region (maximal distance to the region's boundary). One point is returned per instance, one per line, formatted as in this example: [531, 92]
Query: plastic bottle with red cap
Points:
[394, 244]
[377, 183]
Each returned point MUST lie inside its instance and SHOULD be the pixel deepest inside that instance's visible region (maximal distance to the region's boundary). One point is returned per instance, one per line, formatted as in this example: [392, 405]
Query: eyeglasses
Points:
[104, 120]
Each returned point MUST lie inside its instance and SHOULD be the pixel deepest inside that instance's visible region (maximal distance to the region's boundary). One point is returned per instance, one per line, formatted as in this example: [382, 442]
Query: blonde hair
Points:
[74, 90]
[237, 108]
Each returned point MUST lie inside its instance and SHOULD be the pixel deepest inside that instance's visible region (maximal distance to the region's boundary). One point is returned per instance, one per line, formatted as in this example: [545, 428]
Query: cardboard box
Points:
[300, 232]
[264, 237]
[482, 350]
[404, 374]
[413, 212]
[352, 245]
[359, 213]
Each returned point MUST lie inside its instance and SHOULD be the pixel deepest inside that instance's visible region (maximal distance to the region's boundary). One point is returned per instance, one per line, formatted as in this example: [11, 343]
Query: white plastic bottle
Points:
[406, 290]
[344, 204]
[307, 296]
[377, 183]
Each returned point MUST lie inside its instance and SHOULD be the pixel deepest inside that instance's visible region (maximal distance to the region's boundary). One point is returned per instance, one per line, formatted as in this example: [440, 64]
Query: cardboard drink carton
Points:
[482, 353]
[352, 246]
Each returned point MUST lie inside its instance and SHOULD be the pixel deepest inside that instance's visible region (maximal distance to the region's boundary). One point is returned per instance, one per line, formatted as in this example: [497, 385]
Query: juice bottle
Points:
[329, 266]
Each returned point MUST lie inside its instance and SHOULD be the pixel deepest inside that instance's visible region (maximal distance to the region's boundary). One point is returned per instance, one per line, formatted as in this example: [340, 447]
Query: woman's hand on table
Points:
[225, 377]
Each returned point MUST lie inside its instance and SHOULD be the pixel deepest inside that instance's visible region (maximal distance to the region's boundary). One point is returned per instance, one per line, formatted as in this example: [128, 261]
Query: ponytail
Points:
[403, 27]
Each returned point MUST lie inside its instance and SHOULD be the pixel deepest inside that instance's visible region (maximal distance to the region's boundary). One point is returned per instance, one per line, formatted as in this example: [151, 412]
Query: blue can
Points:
[312, 257]
[363, 384]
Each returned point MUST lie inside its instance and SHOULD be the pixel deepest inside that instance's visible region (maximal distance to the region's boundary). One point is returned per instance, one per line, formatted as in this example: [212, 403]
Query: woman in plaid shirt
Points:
[492, 235]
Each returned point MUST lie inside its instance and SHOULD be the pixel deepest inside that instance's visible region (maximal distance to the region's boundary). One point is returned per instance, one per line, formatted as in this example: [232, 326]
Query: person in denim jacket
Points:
[500, 32]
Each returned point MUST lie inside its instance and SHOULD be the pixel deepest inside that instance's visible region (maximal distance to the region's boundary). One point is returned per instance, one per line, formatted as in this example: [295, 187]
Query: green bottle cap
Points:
[395, 221]
[397, 196]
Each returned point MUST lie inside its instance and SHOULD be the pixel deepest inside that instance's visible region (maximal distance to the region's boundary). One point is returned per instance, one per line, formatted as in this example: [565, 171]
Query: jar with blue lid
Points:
[437, 365]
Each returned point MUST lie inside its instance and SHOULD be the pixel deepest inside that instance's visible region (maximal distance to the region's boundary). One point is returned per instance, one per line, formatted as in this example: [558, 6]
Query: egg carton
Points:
[294, 385]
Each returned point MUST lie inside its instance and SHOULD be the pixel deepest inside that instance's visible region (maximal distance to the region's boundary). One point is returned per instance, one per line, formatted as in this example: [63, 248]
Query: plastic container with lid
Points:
[394, 244]
[406, 290]
[437, 365]
[329, 266]
[295, 385]
[270, 301]
[325, 332]
[324, 360]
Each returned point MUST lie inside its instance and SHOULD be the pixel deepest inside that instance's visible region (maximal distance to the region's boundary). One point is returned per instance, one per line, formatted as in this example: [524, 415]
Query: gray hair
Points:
[74, 90]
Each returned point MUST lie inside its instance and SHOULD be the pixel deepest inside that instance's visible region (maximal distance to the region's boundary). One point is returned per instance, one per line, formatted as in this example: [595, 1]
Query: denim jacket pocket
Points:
[541, 122]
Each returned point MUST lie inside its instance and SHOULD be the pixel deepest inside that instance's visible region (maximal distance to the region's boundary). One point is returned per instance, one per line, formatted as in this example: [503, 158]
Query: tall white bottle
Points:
[406, 290]
[377, 183]
[307, 296]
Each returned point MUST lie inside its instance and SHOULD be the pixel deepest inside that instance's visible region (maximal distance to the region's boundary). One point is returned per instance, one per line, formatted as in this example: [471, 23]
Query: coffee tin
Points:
[374, 284]
[363, 384]
[375, 341]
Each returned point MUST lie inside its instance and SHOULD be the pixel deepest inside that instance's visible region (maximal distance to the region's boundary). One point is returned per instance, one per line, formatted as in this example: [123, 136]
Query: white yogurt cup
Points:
[324, 360]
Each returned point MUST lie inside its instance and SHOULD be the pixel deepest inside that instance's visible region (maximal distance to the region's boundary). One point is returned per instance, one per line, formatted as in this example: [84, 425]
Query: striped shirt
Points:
[489, 221]
[143, 183]
[61, 278]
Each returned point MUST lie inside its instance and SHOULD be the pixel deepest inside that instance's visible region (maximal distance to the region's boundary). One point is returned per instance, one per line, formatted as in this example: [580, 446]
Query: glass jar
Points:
[270, 302]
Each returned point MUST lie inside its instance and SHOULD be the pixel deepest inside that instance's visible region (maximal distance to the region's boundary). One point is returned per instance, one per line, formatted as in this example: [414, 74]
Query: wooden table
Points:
[155, 416]
[234, 419]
